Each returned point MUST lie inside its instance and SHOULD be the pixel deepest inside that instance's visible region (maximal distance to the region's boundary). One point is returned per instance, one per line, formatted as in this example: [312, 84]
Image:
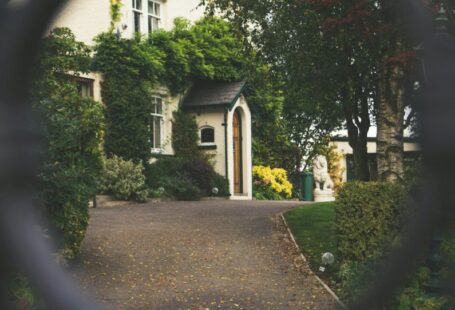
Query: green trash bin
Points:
[307, 186]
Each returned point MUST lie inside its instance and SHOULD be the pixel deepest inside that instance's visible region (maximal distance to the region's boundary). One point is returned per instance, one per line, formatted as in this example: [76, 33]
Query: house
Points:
[221, 111]
[412, 150]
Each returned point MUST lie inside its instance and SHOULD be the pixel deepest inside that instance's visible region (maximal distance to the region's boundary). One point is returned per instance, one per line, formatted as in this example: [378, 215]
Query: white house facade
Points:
[221, 111]
[88, 18]
[410, 147]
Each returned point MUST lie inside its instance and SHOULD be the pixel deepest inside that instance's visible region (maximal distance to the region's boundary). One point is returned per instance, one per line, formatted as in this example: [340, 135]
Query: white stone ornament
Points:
[324, 184]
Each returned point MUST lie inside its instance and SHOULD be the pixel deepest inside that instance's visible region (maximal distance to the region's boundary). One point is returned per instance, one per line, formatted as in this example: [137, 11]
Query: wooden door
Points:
[237, 139]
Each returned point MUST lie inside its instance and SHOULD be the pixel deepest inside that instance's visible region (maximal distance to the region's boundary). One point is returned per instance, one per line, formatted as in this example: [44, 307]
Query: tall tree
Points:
[352, 58]
[326, 78]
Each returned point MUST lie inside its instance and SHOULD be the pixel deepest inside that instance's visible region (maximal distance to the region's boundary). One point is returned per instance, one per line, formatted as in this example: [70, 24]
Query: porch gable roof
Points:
[212, 94]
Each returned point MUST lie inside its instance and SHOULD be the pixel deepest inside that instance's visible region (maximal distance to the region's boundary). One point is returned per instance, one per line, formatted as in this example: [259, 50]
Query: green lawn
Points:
[313, 227]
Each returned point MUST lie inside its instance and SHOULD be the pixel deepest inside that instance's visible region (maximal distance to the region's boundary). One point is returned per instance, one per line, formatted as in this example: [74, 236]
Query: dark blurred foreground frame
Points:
[22, 246]
[433, 205]
[22, 23]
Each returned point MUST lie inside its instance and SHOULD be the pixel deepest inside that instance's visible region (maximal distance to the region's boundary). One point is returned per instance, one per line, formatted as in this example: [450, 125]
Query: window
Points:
[137, 15]
[207, 136]
[151, 11]
[84, 85]
[156, 125]
[154, 15]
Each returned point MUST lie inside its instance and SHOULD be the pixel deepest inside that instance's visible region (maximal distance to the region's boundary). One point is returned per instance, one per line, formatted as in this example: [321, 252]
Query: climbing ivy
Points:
[209, 49]
[115, 7]
[131, 68]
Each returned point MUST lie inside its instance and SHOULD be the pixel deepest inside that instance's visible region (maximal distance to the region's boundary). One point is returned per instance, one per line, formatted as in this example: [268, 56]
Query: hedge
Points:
[368, 217]
[72, 128]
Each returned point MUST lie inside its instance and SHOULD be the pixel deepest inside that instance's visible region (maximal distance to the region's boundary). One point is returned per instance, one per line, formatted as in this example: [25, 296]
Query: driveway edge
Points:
[327, 288]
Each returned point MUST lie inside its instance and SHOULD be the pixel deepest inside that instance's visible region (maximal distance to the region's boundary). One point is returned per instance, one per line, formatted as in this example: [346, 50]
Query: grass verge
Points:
[313, 227]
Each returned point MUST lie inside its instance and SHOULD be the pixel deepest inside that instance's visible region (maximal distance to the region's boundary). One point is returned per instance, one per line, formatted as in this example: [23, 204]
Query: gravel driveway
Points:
[195, 255]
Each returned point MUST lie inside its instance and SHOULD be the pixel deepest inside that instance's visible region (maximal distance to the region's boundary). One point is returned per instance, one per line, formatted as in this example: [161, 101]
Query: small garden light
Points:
[215, 191]
[327, 259]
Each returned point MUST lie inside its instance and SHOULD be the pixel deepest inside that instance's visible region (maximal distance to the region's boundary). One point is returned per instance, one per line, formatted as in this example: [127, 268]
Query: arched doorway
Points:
[237, 139]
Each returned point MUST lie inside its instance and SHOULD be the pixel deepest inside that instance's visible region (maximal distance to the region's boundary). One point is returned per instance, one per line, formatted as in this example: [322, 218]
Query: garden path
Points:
[195, 255]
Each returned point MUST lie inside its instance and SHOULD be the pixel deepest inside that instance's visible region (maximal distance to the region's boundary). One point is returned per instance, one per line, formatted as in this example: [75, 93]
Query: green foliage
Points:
[261, 192]
[185, 178]
[123, 179]
[319, 228]
[185, 135]
[21, 295]
[115, 8]
[72, 131]
[413, 295]
[131, 68]
[208, 50]
[369, 216]
[264, 94]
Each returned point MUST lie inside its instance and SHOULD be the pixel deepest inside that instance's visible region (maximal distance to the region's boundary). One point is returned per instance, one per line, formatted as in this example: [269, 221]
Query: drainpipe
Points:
[226, 142]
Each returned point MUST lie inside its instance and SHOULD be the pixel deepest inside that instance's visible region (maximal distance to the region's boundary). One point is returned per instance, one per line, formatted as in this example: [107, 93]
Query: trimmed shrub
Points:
[185, 179]
[123, 179]
[271, 184]
[221, 183]
[368, 217]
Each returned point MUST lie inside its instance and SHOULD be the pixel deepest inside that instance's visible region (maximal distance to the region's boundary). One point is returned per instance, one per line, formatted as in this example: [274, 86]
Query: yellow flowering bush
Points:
[271, 183]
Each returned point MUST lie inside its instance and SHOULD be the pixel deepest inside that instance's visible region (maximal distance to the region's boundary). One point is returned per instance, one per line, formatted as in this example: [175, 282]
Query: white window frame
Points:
[200, 136]
[152, 15]
[155, 115]
[138, 11]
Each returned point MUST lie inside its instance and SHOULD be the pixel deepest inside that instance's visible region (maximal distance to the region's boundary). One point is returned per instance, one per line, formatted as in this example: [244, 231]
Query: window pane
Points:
[153, 107]
[157, 132]
[159, 106]
[156, 23]
[207, 135]
[84, 89]
[152, 8]
[137, 4]
[153, 23]
[137, 21]
[157, 9]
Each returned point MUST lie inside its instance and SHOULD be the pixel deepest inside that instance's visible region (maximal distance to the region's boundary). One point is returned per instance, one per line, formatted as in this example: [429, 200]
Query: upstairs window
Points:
[137, 15]
[207, 136]
[156, 126]
[84, 85]
[154, 15]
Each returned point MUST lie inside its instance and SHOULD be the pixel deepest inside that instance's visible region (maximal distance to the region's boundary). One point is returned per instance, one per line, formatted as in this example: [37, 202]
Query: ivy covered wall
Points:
[132, 68]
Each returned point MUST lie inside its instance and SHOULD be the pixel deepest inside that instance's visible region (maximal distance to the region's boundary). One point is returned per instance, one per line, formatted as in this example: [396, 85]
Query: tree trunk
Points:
[390, 120]
[358, 138]
[361, 165]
